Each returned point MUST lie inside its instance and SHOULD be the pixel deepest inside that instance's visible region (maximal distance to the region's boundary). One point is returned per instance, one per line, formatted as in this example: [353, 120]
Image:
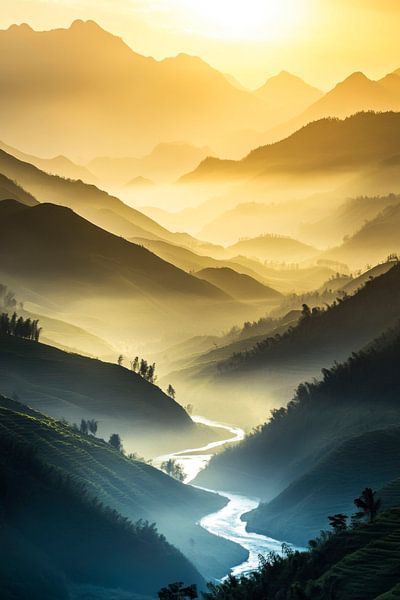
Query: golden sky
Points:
[320, 40]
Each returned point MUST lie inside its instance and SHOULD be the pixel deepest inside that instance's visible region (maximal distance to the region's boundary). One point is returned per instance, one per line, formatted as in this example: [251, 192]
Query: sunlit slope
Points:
[9, 190]
[165, 163]
[326, 145]
[273, 248]
[239, 286]
[332, 333]
[136, 489]
[58, 165]
[347, 219]
[37, 242]
[301, 510]
[72, 386]
[101, 98]
[57, 532]
[87, 200]
[357, 396]
[354, 94]
[376, 240]
[287, 95]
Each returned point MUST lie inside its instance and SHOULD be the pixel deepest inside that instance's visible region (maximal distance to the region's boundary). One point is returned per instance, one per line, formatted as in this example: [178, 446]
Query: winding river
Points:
[226, 522]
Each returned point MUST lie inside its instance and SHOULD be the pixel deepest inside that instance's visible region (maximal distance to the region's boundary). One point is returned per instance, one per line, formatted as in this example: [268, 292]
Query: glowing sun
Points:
[242, 18]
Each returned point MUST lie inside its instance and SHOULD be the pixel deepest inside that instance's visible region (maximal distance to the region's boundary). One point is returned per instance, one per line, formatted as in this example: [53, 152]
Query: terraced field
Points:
[137, 490]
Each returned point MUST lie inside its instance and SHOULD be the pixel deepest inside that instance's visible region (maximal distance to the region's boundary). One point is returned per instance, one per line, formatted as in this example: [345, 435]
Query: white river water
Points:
[226, 522]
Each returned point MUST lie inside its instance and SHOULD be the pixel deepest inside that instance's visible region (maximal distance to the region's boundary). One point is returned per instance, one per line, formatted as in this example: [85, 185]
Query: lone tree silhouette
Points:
[116, 442]
[368, 504]
[171, 392]
[338, 522]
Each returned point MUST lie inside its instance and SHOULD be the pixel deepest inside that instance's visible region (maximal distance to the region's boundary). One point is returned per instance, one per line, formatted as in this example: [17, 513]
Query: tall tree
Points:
[368, 503]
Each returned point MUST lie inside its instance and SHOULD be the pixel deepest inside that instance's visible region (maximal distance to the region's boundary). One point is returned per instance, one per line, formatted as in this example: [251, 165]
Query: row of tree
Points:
[19, 327]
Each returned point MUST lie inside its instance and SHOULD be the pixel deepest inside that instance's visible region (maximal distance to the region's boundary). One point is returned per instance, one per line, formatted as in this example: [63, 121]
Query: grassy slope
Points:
[136, 489]
[54, 532]
[358, 564]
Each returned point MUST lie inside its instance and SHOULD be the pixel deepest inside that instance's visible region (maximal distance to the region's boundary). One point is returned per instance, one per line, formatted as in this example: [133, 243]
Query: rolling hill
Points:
[374, 242]
[135, 489]
[273, 248]
[68, 385]
[58, 165]
[239, 286]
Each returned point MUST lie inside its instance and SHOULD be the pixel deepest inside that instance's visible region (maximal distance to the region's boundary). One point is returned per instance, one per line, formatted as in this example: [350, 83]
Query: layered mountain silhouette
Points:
[9, 190]
[376, 240]
[358, 396]
[238, 285]
[58, 165]
[100, 97]
[354, 94]
[165, 163]
[273, 248]
[356, 142]
[287, 95]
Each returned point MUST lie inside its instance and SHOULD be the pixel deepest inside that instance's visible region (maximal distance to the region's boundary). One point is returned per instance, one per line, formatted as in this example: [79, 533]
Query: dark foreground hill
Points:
[358, 396]
[361, 563]
[133, 488]
[56, 536]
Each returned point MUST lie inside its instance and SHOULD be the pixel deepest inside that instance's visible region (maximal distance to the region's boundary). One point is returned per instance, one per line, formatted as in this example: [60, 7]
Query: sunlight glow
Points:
[241, 19]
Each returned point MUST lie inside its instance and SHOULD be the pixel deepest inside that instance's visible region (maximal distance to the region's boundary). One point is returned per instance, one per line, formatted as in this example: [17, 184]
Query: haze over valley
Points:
[199, 300]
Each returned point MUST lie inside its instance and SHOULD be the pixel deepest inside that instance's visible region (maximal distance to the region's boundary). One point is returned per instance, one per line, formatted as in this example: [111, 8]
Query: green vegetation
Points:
[135, 489]
[354, 397]
[55, 533]
[357, 563]
[19, 327]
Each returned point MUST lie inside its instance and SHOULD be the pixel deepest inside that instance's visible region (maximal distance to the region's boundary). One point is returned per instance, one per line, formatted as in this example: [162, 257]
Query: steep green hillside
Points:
[355, 397]
[55, 533]
[357, 564]
[325, 335]
[300, 511]
[133, 488]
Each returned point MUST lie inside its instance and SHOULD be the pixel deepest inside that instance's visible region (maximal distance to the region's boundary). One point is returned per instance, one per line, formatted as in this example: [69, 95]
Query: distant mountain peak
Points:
[22, 27]
[89, 24]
